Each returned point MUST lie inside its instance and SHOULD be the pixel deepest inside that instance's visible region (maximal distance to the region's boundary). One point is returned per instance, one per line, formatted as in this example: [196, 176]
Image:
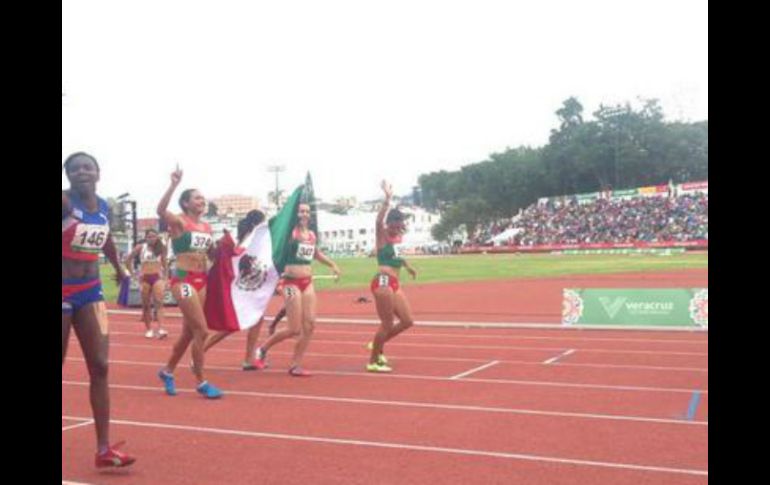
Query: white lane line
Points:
[223, 348]
[466, 335]
[475, 369]
[410, 404]
[369, 375]
[461, 324]
[358, 343]
[405, 446]
[87, 422]
[563, 354]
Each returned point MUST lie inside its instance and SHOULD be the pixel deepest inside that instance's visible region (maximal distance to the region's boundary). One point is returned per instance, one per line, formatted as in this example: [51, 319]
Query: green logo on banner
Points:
[660, 307]
[612, 305]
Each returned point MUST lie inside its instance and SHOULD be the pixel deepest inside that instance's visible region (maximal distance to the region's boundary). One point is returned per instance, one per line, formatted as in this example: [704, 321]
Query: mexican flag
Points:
[244, 276]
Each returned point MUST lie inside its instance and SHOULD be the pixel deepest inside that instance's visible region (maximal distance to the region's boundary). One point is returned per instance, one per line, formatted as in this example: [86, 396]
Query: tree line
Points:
[621, 147]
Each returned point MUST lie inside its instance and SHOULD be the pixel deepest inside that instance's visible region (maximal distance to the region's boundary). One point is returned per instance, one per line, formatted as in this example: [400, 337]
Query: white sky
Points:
[353, 91]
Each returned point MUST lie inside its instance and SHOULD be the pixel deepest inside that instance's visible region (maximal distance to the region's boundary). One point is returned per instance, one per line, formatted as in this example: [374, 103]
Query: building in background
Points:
[146, 223]
[221, 223]
[354, 233]
[345, 226]
[235, 205]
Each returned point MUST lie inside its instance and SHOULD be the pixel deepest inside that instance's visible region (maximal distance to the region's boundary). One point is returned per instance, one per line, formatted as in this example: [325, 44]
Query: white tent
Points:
[504, 236]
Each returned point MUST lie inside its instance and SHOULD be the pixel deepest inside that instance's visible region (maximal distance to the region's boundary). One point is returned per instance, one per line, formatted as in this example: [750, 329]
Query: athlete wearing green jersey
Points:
[389, 297]
[299, 294]
[192, 243]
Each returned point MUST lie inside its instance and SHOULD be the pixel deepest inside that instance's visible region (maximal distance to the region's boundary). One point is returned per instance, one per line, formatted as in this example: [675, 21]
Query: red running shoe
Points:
[260, 362]
[113, 458]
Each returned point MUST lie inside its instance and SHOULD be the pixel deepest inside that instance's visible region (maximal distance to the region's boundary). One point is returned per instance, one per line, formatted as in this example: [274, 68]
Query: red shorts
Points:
[193, 278]
[300, 283]
[382, 280]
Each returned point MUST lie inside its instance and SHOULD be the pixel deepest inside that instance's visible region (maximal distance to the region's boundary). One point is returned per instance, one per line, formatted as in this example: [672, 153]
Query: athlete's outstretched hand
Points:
[387, 188]
[176, 176]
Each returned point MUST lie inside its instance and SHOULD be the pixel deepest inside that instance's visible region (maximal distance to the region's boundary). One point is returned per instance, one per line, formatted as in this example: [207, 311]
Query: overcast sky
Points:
[353, 91]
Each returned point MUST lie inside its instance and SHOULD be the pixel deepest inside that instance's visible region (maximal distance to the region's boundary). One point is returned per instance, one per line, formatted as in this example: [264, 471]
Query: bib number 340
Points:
[305, 252]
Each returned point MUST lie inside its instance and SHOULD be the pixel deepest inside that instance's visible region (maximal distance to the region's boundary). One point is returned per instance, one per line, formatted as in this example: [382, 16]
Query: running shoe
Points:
[253, 365]
[168, 382]
[208, 391]
[149, 334]
[260, 362]
[161, 333]
[113, 458]
[297, 371]
[377, 367]
[382, 360]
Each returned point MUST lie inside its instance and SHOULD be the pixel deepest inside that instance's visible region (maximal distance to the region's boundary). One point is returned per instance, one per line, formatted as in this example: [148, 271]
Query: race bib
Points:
[289, 291]
[185, 291]
[200, 241]
[384, 281]
[305, 252]
[90, 237]
[397, 251]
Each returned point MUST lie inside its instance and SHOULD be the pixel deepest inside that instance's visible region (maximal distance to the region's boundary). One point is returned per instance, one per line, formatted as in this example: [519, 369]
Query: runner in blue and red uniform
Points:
[85, 233]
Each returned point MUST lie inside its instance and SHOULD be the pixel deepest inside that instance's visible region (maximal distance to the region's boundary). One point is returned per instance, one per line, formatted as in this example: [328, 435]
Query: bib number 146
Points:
[90, 237]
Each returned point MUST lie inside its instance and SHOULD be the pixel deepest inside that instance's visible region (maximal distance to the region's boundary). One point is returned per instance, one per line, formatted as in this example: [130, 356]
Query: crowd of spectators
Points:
[604, 220]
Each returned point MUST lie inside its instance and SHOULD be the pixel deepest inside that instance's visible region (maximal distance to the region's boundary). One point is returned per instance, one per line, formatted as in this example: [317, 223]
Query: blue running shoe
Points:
[209, 391]
[168, 382]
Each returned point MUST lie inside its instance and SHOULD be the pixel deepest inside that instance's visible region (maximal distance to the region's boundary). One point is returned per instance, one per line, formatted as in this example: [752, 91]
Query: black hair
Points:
[68, 161]
[185, 197]
[158, 248]
[248, 223]
[395, 215]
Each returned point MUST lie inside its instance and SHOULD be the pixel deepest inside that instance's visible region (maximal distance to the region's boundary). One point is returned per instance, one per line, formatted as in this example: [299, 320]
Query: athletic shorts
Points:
[300, 283]
[382, 280]
[150, 279]
[195, 279]
[79, 292]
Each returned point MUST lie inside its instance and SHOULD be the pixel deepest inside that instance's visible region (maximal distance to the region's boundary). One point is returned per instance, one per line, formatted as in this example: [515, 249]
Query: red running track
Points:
[618, 410]
[515, 300]
[528, 300]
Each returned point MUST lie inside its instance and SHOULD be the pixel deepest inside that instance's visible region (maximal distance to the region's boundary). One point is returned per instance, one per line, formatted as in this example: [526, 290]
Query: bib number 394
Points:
[200, 241]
